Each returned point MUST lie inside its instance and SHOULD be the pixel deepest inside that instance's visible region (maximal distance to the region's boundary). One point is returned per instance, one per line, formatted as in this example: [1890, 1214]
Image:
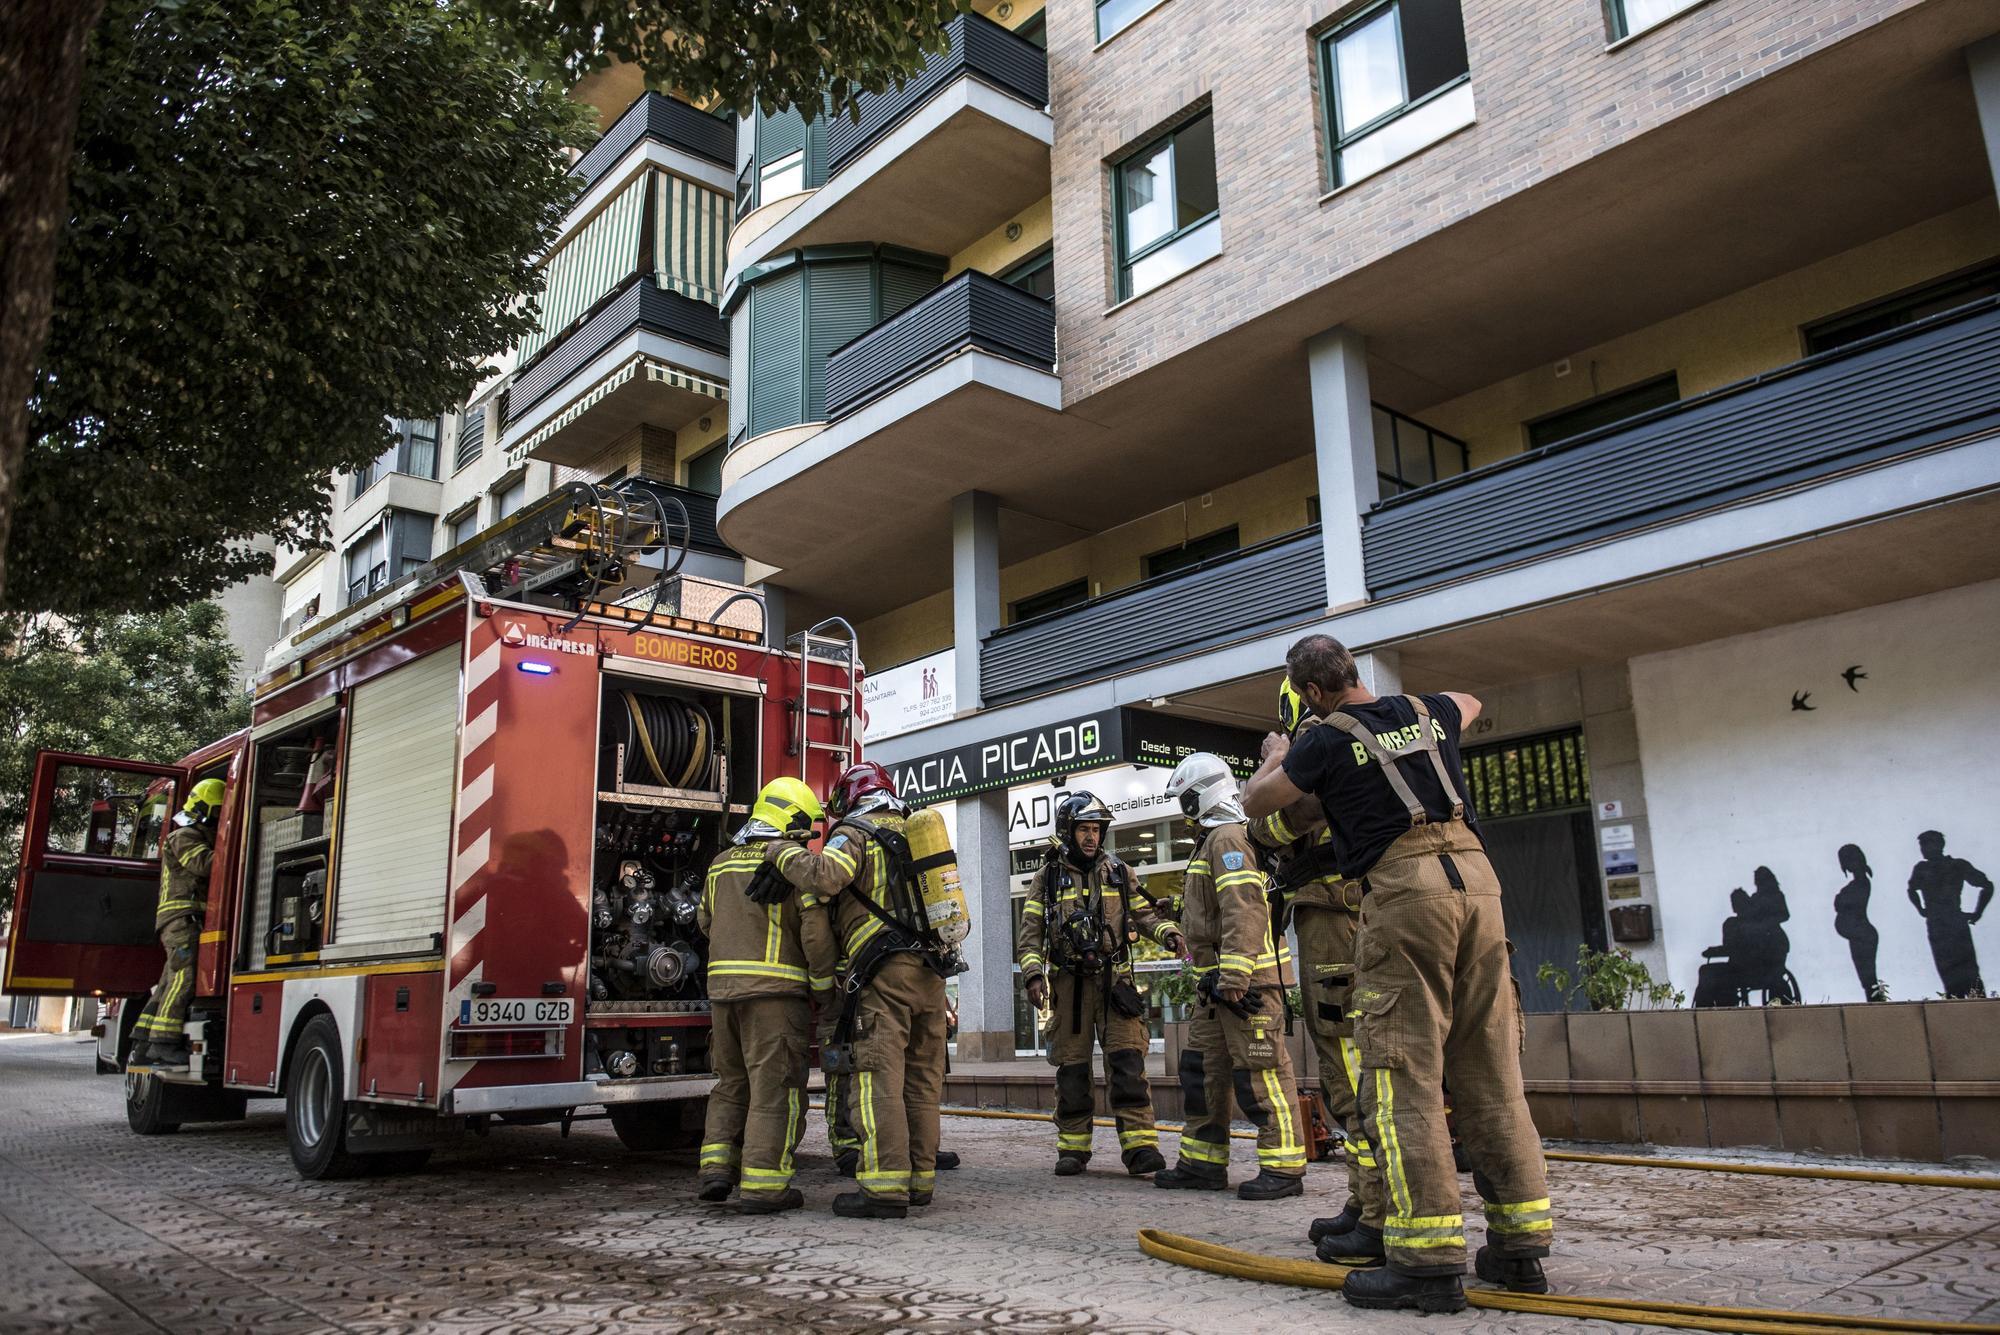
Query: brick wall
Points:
[1548, 93]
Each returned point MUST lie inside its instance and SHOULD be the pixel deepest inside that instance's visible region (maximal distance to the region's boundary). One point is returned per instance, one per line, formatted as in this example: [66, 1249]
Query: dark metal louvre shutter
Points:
[904, 284]
[1267, 585]
[843, 307]
[1433, 43]
[777, 376]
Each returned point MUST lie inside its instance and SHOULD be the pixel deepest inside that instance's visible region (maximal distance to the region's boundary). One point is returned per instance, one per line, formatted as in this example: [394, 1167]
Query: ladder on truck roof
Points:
[842, 697]
[577, 534]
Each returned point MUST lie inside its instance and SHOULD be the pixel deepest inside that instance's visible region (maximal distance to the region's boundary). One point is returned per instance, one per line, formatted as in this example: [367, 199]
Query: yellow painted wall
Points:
[1740, 335]
[1009, 14]
[994, 253]
[690, 439]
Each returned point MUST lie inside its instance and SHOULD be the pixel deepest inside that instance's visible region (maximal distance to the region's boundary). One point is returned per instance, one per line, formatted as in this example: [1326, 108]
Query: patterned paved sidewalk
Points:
[210, 1230]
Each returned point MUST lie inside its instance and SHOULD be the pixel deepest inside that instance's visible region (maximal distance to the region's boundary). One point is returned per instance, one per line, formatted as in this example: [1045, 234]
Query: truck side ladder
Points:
[827, 697]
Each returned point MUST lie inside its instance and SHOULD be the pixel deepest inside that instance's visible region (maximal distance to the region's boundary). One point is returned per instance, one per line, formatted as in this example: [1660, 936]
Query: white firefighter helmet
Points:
[1206, 790]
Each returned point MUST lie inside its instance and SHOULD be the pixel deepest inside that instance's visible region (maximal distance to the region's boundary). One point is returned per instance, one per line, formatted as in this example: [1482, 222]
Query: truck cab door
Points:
[90, 876]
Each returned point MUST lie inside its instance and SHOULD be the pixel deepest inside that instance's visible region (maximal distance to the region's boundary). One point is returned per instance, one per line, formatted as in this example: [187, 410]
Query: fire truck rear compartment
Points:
[675, 765]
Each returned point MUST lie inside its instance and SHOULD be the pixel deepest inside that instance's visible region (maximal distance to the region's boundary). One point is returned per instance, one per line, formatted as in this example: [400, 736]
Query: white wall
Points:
[1736, 777]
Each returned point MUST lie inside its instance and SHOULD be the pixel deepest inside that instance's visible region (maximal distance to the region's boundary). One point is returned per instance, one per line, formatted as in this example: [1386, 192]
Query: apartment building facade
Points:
[625, 377]
[1629, 363]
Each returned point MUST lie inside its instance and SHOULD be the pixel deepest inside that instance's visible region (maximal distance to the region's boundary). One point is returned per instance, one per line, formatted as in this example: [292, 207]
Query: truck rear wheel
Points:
[315, 1107]
[646, 1128]
[146, 1106]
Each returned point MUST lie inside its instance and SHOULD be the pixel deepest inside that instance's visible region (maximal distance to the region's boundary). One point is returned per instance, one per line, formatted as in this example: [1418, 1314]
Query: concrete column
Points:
[774, 614]
[1982, 63]
[975, 586]
[986, 990]
[1617, 774]
[1344, 444]
[1381, 671]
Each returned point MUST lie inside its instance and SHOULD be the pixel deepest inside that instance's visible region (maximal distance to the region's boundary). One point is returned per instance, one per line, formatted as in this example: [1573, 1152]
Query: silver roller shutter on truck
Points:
[395, 835]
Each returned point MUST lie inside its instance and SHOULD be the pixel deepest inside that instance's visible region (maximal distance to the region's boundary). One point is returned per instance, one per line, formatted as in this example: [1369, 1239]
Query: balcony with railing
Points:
[971, 312]
[1923, 387]
[645, 354]
[666, 121]
[1225, 598]
[934, 165]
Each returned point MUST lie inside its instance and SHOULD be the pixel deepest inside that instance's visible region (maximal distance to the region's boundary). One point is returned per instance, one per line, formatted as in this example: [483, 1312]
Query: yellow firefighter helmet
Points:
[787, 804]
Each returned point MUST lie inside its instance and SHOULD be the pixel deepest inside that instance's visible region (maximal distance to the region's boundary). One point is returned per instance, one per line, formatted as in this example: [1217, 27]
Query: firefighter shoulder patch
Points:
[1233, 861]
[838, 841]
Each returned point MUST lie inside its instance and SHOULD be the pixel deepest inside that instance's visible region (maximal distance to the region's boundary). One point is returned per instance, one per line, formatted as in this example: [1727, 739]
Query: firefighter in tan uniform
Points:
[1077, 924]
[159, 1035]
[770, 956]
[890, 1037]
[1323, 909]
[1433, 999]
[1237, 1040]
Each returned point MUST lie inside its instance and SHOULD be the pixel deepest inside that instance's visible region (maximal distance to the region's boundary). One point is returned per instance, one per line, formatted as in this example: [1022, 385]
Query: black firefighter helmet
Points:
[1080, 808]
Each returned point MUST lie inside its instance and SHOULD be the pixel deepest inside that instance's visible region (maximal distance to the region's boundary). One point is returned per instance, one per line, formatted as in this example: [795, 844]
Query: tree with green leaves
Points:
[235, 235]
[150, 686]
[287, 221]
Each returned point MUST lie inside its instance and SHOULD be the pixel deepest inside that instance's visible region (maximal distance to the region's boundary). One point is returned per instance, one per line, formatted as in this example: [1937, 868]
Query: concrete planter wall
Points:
[1902, 1080]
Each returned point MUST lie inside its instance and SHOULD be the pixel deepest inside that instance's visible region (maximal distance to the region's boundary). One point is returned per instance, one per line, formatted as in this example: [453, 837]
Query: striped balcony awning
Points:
[641, 367]
[690, 240]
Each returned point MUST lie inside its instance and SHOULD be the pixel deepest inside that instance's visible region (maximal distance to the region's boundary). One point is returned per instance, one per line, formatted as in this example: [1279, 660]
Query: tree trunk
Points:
[41, 83]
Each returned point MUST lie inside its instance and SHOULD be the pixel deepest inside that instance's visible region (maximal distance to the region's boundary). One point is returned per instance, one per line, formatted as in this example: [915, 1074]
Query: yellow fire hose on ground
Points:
[1316, 1274]
[1228, 1261]
[1220, 1260]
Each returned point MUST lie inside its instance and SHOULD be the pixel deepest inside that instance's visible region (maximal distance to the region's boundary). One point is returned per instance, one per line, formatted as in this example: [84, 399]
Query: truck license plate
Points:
[479, 1011]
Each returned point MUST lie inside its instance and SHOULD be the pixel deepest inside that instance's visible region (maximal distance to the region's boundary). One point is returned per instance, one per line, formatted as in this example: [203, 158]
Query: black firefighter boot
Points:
[1185, 1176]
[1144, 1160]
[1384, 1289]
[846, 1162]
[947, 1160]
[1359, 1246]
[1521, 1274]
[860, 1205]
[1070, 1165]
[766, 1202]
[1346, 1221]
[1270, 1186]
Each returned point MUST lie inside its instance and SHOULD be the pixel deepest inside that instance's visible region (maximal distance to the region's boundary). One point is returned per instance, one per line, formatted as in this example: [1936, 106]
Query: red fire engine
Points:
[463, 842]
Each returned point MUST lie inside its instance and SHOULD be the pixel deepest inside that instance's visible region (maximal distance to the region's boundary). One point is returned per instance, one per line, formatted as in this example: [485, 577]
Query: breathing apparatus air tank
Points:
[938, 885]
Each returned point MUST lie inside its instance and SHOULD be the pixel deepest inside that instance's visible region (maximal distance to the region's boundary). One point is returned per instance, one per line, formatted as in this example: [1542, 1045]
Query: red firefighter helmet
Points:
[855, 783]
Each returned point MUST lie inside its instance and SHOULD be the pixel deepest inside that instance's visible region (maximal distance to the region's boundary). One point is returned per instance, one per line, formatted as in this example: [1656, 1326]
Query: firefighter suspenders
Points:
[1386, 758]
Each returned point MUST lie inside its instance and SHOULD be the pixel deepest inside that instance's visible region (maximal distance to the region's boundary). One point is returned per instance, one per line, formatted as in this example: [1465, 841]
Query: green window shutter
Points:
[603, 253]
[779, 134]
[903, 285]
[690, 239]
[842, 307]
[777, 372]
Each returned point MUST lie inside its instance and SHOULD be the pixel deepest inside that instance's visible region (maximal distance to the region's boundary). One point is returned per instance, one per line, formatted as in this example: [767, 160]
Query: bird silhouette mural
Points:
[1853, 675]
[1799, 699]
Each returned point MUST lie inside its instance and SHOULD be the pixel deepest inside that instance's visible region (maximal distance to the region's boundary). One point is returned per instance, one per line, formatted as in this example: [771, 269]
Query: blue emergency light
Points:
[540, 669]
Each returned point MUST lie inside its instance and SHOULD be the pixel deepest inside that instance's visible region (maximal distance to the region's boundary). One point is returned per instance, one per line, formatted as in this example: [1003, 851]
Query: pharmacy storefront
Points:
[1124, 758]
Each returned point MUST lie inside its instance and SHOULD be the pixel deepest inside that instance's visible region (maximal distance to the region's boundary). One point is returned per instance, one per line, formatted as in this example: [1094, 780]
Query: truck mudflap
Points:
[579, 1093]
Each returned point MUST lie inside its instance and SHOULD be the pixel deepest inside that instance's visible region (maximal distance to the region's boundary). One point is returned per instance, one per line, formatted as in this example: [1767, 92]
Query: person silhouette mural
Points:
[1850, 919]
[1937, 888]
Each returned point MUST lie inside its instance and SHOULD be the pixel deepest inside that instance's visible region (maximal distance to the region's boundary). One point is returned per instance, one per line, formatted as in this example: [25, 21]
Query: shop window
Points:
[1050, 600]
[1395, 79]
[1906, 307]
[1604, 410]
[1168, 210]
[1193, 552]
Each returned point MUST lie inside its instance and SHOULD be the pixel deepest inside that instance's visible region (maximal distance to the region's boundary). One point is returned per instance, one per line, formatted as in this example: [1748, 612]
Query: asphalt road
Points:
[210, 1230]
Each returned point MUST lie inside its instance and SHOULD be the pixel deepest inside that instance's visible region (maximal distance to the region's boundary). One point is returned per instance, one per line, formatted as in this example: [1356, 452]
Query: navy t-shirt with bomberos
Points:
[1362, 810]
